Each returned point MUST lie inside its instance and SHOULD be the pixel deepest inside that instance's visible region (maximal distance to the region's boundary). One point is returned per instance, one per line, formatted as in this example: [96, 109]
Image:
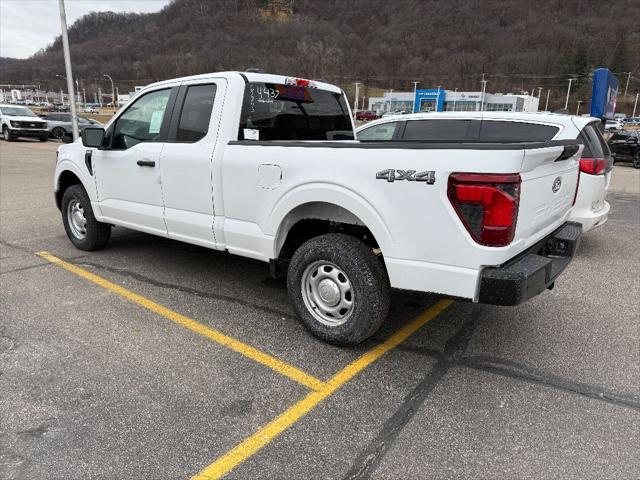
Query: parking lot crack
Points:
[522, 372]
[192, 291]
[369, 459]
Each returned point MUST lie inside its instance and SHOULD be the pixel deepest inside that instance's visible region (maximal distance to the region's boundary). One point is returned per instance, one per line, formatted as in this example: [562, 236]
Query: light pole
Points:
[355, 102]
[484, 88]
[61, 94]
[546, 106]
[113, 90]
[566, 103]
[578, 109]
[539, 92]
[626, 87]
[455, 98]
[635, 105]
[415, 92]
[67, 64]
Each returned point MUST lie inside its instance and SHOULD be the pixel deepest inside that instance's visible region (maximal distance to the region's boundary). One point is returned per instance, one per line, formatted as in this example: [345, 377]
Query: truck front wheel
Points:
[82, 228]
[6, 134]
[338, 288]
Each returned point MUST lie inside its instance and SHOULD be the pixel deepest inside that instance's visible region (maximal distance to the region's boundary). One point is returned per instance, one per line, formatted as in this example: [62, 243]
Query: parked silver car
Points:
[59, 124]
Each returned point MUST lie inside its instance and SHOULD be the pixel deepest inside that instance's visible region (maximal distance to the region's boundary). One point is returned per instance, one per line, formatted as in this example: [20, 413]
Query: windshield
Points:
[17, 112]
[285, 112]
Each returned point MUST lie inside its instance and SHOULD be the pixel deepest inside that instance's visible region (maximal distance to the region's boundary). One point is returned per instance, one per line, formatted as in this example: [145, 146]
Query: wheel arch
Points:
[66, 175]
[318, 209]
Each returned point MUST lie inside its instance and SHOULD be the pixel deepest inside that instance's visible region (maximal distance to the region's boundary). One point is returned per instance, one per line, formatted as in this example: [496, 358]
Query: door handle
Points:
[146, 163]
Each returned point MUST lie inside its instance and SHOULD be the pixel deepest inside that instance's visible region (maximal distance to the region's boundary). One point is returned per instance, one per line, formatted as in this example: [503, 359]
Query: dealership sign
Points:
[604, 94]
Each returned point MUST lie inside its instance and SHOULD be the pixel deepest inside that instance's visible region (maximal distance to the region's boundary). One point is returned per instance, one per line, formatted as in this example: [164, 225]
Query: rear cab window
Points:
[272, 111]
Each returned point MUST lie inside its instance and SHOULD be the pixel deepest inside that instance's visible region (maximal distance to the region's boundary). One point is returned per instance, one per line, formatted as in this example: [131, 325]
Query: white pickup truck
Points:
[266, 166]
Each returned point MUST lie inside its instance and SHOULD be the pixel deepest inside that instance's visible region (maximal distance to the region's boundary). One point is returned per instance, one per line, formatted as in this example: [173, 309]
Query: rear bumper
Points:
[531, 272]
[590, 219]
[591, 208]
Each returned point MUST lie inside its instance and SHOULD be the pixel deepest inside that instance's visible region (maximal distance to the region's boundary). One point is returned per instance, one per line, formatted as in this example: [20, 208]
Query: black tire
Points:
[96, 234]
[636, 158]
[6, 134]
[58, 132]
[365, 276]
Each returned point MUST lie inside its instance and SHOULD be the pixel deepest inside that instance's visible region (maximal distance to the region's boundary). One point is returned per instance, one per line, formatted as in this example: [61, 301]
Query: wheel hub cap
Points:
[327, 293]
[77, 220]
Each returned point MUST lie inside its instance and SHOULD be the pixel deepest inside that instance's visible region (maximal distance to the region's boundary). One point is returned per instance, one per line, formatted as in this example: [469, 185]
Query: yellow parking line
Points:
[266, 434]
[273, 363]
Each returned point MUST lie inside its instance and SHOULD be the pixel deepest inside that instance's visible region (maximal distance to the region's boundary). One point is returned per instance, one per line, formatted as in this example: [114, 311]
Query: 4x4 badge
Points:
[392, 175]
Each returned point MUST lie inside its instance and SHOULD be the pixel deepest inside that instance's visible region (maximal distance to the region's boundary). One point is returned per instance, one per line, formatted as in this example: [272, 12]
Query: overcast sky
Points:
[26, 26]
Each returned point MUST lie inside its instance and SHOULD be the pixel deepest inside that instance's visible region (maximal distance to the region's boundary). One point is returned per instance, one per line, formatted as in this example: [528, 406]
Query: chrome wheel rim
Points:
[327, 293]
[6, 134]
[76, 219]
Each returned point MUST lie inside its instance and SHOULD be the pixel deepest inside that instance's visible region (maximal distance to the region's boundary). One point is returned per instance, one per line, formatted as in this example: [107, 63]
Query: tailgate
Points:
[549, 183]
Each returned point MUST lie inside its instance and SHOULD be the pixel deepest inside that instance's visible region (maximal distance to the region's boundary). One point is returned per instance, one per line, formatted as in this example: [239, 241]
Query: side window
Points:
[196, 113]
[437, 130]
[141, 122]
[384, 131]
[593, 146]
[509, 132]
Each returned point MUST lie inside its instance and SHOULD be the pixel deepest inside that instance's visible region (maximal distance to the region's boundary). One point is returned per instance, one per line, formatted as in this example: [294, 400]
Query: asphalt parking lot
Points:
[156, 359]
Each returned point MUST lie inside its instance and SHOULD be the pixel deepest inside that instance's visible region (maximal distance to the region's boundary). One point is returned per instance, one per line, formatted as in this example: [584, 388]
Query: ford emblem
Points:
[557, 183]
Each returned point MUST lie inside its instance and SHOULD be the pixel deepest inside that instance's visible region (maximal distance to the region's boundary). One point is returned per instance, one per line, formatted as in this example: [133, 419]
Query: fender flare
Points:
[86, 181]
[333, 194]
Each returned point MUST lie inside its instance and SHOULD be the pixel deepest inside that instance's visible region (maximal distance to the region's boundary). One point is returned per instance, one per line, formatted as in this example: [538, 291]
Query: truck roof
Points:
[247, 76]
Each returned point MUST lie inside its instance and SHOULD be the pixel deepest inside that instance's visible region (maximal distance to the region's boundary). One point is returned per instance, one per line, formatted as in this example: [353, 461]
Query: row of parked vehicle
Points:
[18, 121]
[621, 122]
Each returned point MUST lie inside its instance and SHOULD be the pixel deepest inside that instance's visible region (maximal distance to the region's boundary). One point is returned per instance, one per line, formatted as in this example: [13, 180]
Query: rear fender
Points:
[331, 202]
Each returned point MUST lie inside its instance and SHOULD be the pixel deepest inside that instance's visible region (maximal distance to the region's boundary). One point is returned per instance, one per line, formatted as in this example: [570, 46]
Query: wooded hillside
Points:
[518, 44]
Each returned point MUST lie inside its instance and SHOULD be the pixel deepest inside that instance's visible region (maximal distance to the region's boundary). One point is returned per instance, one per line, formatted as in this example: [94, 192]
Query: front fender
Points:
[73, 161]
[332, 194]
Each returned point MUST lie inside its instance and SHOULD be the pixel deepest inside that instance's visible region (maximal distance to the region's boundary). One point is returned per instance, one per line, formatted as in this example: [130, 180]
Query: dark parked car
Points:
[59, 124]
[625, 146]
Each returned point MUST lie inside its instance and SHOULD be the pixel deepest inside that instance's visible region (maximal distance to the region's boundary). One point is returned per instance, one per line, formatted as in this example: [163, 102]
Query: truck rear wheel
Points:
[338, 288]
[82, 228]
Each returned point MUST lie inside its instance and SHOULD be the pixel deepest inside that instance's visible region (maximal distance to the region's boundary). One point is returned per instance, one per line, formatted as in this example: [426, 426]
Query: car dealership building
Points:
[441, 100]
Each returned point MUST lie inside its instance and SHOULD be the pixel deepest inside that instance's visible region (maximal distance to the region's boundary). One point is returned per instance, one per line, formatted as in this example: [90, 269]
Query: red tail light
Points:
[487, 204]
[593, 166]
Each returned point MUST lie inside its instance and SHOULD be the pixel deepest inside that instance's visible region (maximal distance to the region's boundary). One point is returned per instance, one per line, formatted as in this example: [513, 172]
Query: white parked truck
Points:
[266, 166]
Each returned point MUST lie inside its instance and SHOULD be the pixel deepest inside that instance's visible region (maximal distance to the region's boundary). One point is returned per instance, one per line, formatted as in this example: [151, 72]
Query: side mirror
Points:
[93, 137]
